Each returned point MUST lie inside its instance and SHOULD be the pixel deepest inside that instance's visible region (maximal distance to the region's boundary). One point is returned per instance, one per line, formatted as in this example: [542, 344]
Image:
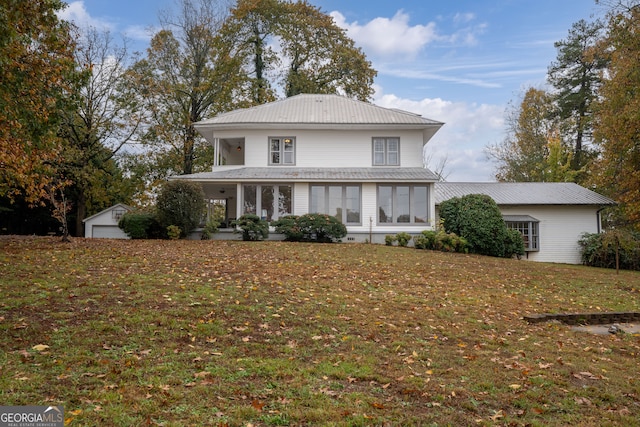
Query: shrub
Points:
[599, 250]
[310, 228]
[440, 241]
[425, 240]
[288, 225]
[174, 232]
[514, 243]
[252, 227]
[389, 239]
[403, 239]
[477, 218]
[181, 203]
[210, 228]
[141, 225]
[320, 228]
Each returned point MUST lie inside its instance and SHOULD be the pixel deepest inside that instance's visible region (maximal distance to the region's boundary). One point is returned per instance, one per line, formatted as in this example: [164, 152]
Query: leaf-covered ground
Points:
[178, 333]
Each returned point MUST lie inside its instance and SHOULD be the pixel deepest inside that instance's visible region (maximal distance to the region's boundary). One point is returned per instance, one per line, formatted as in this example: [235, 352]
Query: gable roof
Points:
[523, 193]
[118, 205]
[280, 174]
[315, 111]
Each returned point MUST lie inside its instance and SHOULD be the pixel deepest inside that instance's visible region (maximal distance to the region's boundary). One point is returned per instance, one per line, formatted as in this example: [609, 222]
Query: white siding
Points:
[327, 148]
[104, 225]
[560, 228]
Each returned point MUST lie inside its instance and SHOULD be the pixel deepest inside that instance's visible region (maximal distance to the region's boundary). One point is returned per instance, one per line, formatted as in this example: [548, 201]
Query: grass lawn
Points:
[178, 333]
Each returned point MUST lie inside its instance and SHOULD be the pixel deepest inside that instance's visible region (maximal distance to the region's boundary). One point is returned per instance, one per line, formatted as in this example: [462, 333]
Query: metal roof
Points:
[519, 218]
[277, 173]
[523, 193]
[319, 109]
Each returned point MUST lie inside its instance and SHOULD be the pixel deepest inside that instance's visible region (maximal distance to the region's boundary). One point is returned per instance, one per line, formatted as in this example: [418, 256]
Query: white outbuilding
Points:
[105, 224]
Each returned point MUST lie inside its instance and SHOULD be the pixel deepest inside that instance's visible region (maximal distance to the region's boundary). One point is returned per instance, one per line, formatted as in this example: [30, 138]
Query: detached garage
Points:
[104, 225]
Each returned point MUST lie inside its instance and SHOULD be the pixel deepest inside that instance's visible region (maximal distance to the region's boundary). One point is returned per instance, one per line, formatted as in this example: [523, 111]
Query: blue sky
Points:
[460, 62]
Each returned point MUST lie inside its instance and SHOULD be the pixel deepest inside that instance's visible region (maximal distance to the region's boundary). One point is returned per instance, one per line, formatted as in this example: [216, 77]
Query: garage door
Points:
[108, 232]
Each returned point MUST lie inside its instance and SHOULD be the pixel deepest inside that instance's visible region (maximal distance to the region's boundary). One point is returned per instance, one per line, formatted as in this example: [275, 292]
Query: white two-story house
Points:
[364, 164]
[323, 154]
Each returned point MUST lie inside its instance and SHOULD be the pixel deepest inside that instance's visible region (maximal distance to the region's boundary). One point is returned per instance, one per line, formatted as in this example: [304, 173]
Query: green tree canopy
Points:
[575, 76]
[292, 48]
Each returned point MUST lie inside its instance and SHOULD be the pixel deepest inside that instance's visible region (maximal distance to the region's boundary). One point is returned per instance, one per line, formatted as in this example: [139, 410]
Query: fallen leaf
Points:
[40, 347]
[257, 404]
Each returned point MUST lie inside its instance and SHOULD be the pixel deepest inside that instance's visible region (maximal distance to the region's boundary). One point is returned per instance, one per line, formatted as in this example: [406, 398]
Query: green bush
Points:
[599, 250]
[173, 232]
[403, 239]
[514, 243]
[181, 203]
[141, 225]
[477, 218]
[210, 228]
[320, 228]
[288, 225]
[440, 241]
[389, 239]
[310, 228]
[425, 240]
[252, 227]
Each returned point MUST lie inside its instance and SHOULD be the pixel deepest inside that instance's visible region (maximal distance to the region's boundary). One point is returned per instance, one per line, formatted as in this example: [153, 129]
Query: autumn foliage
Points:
[37, 72]
[235, 333]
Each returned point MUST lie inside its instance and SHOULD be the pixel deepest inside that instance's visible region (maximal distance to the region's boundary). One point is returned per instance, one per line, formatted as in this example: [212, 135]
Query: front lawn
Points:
[178, 333]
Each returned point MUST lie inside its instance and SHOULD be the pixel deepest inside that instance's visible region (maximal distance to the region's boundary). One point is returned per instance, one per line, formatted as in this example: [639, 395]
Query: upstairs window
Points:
[282, 150]
[528, 227]
[386, 151]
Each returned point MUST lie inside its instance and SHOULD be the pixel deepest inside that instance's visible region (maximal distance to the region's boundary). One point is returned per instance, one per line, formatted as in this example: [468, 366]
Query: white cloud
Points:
[395, 37]
[77, 13]
[384, 36]
[463, 18]
[140, 33]
[468, 129]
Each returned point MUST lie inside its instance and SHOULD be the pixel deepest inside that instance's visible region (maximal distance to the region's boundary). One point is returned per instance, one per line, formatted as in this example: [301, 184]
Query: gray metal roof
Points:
[523, 193]
[277, 173]
[519, 218]
[318, 111]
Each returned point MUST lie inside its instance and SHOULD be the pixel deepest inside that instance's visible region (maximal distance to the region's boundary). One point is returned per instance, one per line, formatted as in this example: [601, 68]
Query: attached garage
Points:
[104, 225]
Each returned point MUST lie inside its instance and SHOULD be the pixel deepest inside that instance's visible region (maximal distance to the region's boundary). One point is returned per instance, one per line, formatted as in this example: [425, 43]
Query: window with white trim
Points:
[269, 202]
[282, 150]
[386, 151]
[341, 201]
[528, 227]
[403, 204]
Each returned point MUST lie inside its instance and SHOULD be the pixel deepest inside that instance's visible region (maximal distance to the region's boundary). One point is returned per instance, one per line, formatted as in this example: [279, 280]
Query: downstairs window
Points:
[528, 227]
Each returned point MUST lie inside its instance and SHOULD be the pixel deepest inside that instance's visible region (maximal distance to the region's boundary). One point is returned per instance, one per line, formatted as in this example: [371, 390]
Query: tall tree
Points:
[293, 47]
[106, 118]
[575, 76]
[185, 77]
[523, 154]
[617, 129]
[36, 72]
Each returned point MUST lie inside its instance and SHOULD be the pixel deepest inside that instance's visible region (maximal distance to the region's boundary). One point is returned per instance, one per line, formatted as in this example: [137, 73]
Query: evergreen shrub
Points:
[477, 218]
[181, 203]
[252, 227]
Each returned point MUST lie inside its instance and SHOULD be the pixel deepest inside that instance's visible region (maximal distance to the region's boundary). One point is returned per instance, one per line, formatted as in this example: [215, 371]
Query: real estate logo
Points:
[31, 416]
